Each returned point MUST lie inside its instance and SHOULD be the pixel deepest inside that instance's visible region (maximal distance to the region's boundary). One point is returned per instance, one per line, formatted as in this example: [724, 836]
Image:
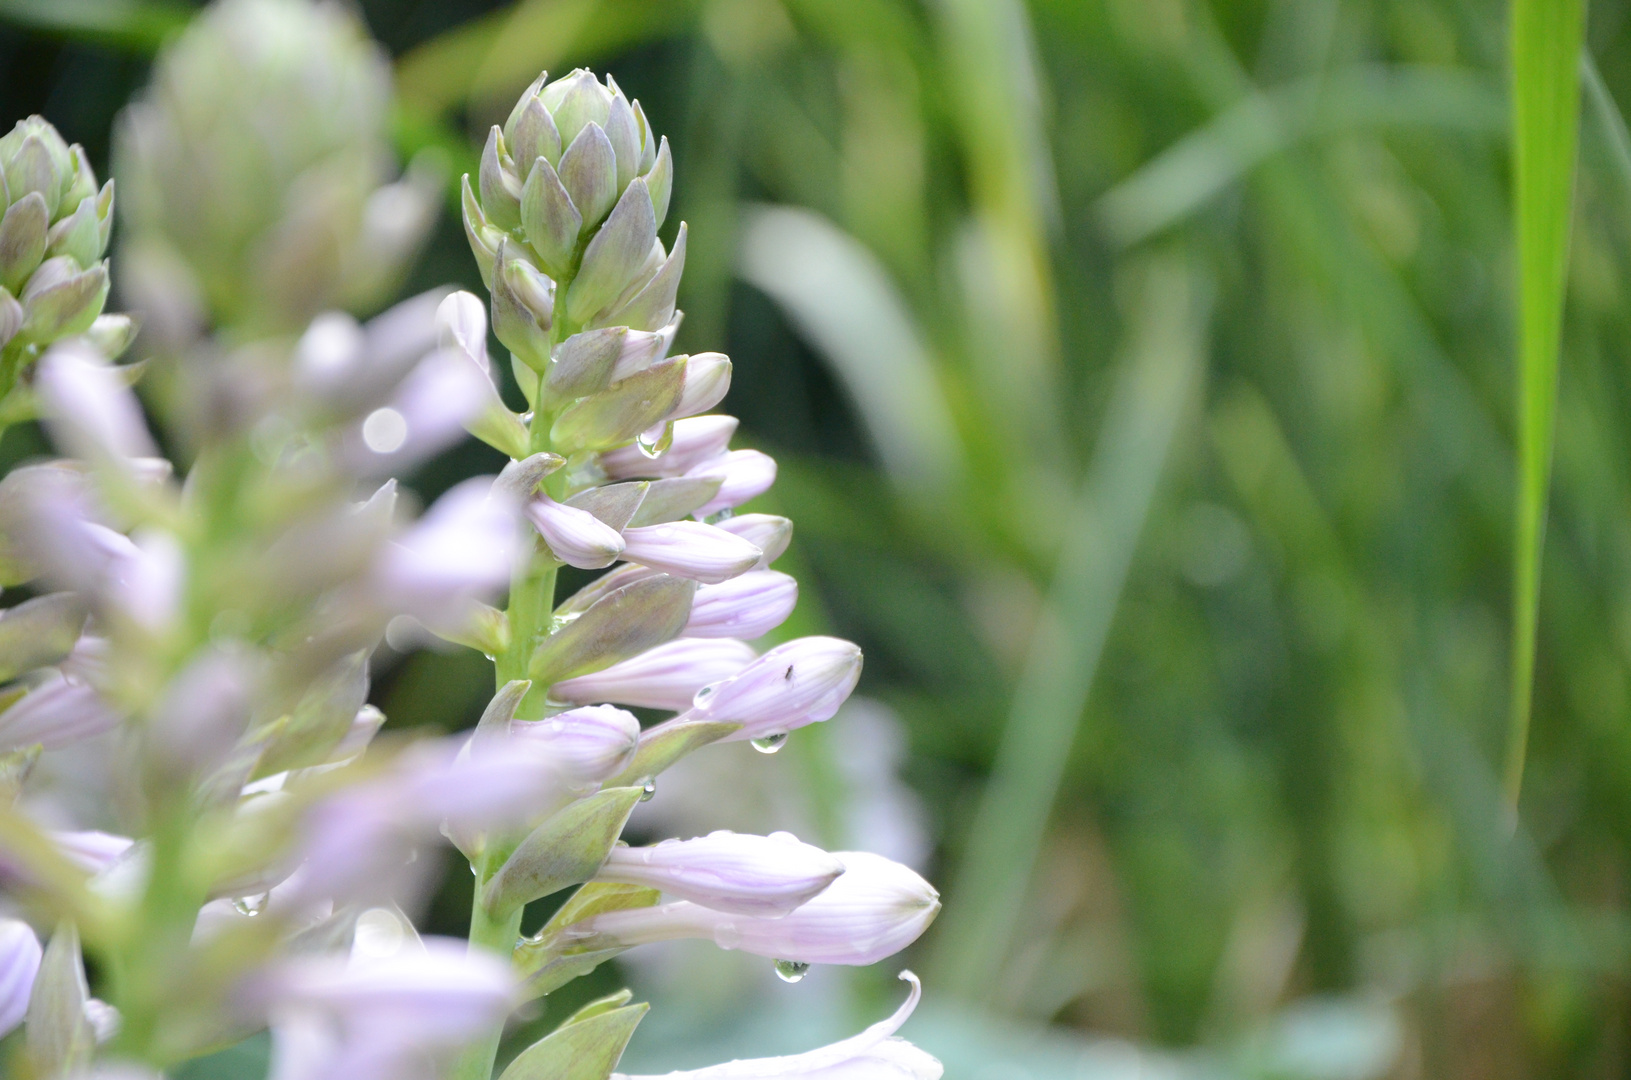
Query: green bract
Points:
[264, 224]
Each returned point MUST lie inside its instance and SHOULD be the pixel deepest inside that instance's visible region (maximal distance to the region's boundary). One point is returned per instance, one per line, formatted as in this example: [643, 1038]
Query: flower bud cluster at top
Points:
[238, 856]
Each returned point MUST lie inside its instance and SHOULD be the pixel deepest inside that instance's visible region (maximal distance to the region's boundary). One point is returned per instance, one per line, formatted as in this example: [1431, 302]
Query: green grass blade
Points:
[1545, 43]
[1154, 389]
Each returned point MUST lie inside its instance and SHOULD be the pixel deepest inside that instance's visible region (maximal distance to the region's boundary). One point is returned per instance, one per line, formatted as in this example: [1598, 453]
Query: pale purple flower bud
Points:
[145, 582]
[798, 683]
[585, 745]
[772, 534]
[666, 677]
[204, 712]
[56, 712]
[707, 379]
[93, 412]
[690, 549]
[642, 348]
[748, 606]
[461, 323]
[463, 546]
[875, 1054]
[746, 474]
[874, 909]
[20, 954]
[576, 537]
[427, 413]
[372, 1017]
[91, 850]
[696, 439]
[764, 876]
[356, 840]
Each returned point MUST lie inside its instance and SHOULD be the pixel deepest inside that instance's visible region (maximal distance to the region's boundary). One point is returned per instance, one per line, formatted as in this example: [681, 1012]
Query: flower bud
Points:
[368, 1017]
[461, 325]
[770, 533]
[707, 380]
[20, 954]
[872, 1055]
[463, 546]
[744, 474]
[92, 850]
[642, 348]
[56, 712]
[695, 440]
[94, 414]
[585, 745]
[748, 606]
[764, 876]
[442, 396]
[275, 220]
[801, 682]
[523, 307]
[652, 307]
[874, 909]
[690, 549]
[666, 677]
[576, 537]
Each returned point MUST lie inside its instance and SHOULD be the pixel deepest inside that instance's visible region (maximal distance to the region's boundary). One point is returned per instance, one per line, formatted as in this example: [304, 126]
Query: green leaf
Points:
[665, 744]
[586, 1049]
[1545, 44]
[58, 1037]
[623, 411]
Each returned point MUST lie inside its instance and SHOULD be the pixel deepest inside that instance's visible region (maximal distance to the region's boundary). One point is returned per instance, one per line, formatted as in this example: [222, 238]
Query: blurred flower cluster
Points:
[244, 856]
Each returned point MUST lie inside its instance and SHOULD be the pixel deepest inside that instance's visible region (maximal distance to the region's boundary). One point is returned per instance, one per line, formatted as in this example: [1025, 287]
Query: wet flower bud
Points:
[690, 549]
[666, 677]
[765, 876]
[874, 909]
[748, 606]
[695, 440]
[801, 682]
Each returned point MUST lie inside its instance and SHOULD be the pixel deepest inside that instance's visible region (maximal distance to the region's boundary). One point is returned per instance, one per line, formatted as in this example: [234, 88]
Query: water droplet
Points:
[526, 418]
[648, 789]
[791, 970]
[701, 697]
[251, 905]
[491, 659]
[653, 441]
[770, 743]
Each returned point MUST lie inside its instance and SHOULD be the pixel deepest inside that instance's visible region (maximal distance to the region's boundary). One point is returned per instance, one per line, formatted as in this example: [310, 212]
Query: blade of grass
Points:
[134, 25]
[1609, 120]
[1546, 37]
[1153, 391]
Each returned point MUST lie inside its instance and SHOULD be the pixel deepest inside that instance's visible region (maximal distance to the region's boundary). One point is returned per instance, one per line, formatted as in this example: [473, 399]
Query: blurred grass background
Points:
[1142, 377]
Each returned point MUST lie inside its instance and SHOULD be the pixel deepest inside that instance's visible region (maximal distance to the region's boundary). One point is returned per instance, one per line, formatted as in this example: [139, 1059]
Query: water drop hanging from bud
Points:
[770, 743]
[251, 905]
[791, 970]
[648, 789]
[654, 441]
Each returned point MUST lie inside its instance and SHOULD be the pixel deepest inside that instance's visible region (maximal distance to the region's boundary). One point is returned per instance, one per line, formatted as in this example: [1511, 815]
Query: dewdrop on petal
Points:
[801, 682]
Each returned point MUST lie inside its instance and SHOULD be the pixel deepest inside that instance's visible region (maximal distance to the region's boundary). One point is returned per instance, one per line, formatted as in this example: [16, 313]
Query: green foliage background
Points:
[1145, 393]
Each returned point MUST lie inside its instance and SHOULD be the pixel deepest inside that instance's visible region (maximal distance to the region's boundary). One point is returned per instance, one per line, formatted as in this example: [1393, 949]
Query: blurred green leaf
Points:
[1545, 44]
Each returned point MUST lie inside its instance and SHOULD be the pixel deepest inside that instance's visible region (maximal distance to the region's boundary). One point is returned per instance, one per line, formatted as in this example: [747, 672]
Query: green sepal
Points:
[583, 363]
[621, 624]
[40, 631]
[665, 744]
[622, 411]
[567, 849]
[58, 1039]
[580, 1049]
[673, 498]
[614, 504]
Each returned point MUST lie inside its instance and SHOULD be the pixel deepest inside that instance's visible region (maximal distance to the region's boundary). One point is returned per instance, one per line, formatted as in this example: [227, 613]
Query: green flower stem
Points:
[532, 606]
